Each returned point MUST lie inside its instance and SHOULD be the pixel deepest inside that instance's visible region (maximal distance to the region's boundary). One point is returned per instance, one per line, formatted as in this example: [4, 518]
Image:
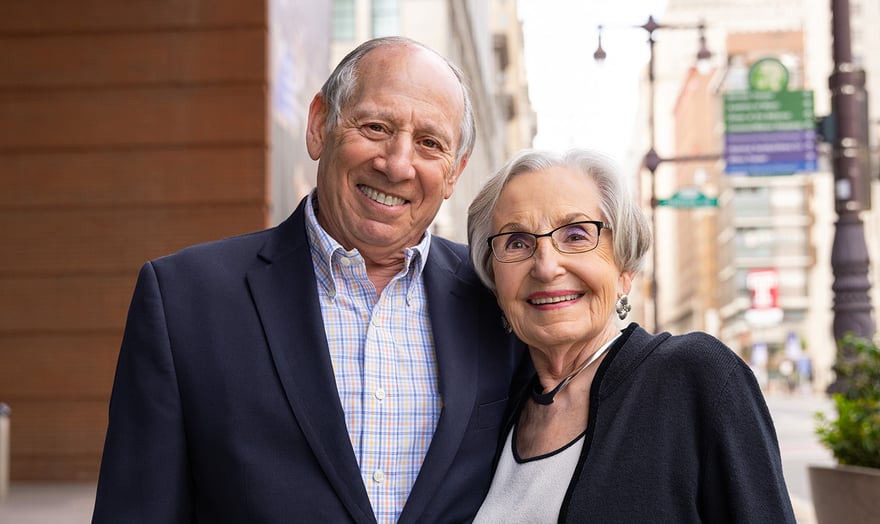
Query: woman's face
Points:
[553, 299]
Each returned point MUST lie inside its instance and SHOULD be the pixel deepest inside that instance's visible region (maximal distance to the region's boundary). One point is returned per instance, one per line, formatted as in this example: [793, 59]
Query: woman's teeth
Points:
[552, 300]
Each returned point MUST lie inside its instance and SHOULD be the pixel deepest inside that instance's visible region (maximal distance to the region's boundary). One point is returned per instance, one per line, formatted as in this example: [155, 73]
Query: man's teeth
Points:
[382, 198]
[553, 300]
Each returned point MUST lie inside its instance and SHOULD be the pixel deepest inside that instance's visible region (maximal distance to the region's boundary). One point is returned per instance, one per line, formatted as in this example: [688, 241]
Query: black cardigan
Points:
[678, 432]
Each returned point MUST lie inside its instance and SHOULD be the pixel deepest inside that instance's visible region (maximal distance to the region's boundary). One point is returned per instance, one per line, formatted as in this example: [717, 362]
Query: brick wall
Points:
[128, 129]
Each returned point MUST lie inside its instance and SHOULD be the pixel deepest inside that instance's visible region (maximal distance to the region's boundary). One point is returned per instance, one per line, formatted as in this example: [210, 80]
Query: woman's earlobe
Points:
[625, 280]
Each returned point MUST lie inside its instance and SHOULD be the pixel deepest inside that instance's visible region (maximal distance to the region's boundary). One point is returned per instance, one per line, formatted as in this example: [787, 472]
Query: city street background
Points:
[132, 129]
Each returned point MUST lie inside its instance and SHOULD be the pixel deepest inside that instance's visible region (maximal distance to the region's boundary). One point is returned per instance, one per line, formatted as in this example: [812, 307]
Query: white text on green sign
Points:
[688, 197]
[763, 111]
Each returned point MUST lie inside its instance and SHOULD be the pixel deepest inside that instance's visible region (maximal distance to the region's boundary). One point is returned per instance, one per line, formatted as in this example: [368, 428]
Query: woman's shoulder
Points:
[697, 348]
[700, 356]
[695, 366]
[694, 352]
[695, 339]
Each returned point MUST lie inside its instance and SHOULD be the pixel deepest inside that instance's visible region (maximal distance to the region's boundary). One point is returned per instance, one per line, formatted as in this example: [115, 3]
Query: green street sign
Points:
[767, 111]
[688, 198]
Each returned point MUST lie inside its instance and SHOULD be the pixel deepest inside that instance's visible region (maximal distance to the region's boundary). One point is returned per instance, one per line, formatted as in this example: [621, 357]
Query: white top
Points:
[529, 491]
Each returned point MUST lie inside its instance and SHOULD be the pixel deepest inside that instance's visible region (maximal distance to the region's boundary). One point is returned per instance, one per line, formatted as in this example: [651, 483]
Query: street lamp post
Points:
[652, 159]
[849, 253]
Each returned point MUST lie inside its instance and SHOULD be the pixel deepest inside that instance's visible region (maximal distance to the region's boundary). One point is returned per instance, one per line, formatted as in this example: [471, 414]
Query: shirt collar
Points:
[326, 250]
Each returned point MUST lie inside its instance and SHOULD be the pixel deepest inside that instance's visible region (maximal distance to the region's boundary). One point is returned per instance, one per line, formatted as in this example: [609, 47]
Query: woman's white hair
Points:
[631, 234]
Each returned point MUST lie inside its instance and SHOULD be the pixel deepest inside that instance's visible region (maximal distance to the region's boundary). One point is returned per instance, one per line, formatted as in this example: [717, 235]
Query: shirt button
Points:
[345, 261]
[375, 321]
[379, 393]
[378, 476]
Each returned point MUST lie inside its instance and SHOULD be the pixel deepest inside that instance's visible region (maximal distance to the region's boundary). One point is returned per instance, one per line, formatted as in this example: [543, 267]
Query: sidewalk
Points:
[803, 510]
[48, 503]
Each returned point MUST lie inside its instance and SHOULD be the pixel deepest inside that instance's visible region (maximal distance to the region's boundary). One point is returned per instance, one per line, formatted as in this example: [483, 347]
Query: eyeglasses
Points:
[577, 237]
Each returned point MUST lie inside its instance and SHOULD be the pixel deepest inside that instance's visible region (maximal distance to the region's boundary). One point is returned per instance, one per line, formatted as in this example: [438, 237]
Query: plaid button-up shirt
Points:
[383, 358]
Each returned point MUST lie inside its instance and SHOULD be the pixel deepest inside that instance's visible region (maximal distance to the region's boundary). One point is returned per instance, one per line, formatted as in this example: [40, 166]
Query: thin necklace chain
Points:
[545, 399]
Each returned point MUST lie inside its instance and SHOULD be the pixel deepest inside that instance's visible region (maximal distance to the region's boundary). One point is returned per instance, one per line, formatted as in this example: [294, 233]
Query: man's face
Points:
[387, 166]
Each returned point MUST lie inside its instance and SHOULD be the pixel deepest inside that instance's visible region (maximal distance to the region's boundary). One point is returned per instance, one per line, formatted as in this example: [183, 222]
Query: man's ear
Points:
[317, 127]
[453, 177]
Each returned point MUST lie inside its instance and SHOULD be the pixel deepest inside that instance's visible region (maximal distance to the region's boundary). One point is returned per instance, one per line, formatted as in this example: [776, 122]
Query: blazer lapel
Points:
[454, 339]
[285, 293]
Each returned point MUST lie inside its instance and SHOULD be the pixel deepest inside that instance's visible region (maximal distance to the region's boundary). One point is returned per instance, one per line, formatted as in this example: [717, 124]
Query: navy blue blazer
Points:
[224, 406]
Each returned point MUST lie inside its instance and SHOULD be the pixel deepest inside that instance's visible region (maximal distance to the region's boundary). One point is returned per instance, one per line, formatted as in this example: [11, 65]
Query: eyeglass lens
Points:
[570, 238]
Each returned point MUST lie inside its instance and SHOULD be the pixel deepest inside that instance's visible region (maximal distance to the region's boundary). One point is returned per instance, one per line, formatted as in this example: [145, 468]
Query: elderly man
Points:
[344, 366]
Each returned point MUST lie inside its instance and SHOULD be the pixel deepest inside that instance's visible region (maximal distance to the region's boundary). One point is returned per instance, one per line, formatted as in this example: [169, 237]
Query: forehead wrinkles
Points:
[529, 226]
[553, 196]
[401, 74]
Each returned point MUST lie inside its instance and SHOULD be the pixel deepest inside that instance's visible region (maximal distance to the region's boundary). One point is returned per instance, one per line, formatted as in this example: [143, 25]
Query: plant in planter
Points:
[850, 492]
[854, 436]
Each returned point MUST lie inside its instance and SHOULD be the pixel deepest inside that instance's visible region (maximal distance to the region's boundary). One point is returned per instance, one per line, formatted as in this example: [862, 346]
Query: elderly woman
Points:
[617, 425]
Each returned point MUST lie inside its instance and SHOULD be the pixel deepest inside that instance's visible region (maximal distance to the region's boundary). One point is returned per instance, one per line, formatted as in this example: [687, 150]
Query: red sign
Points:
[764, 285]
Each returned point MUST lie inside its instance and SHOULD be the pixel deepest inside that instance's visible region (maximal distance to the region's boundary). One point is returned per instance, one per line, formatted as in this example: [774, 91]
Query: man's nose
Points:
[399, 157]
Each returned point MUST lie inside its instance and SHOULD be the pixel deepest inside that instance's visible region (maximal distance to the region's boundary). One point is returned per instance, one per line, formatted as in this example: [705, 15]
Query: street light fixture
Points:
[599, 54]
[652, 159]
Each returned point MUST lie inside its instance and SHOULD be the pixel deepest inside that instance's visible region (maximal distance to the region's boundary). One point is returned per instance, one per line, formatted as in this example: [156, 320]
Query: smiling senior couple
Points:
[348, 366]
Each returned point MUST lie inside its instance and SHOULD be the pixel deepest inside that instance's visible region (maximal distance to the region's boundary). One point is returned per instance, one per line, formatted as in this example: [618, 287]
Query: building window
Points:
[751, 202]
[386, 17]
[343, 20]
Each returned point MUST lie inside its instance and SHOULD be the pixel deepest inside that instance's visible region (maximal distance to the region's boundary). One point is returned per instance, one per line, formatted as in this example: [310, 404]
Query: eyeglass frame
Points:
[598, 223]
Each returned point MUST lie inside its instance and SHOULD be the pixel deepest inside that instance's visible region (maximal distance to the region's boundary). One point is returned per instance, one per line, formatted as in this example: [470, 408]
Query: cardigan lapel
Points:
[285, 293]
[455, 335]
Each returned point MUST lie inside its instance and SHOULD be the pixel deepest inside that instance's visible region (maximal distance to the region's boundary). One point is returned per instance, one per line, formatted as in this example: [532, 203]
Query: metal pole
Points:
[652, 161]
[849, 252]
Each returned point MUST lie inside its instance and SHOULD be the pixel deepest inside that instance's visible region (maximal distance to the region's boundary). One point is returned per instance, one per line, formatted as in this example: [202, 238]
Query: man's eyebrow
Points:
[429, 128]
[363, 113]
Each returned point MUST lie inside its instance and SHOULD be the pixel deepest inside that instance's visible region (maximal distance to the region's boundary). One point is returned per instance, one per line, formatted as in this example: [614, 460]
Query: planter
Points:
[849, 494]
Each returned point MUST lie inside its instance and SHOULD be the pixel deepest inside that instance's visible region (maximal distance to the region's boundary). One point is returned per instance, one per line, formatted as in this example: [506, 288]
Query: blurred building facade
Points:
[127, 131]
[130, 130]
[771, 231]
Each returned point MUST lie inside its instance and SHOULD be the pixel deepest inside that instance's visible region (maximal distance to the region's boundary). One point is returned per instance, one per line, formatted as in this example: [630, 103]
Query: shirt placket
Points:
[381, 405]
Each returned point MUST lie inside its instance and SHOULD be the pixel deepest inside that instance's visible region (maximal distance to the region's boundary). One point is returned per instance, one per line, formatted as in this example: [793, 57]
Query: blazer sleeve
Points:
[144, 475]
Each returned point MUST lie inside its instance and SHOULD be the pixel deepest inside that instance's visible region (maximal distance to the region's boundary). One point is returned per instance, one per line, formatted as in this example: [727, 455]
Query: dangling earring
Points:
[505, 325]
[623, 306]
